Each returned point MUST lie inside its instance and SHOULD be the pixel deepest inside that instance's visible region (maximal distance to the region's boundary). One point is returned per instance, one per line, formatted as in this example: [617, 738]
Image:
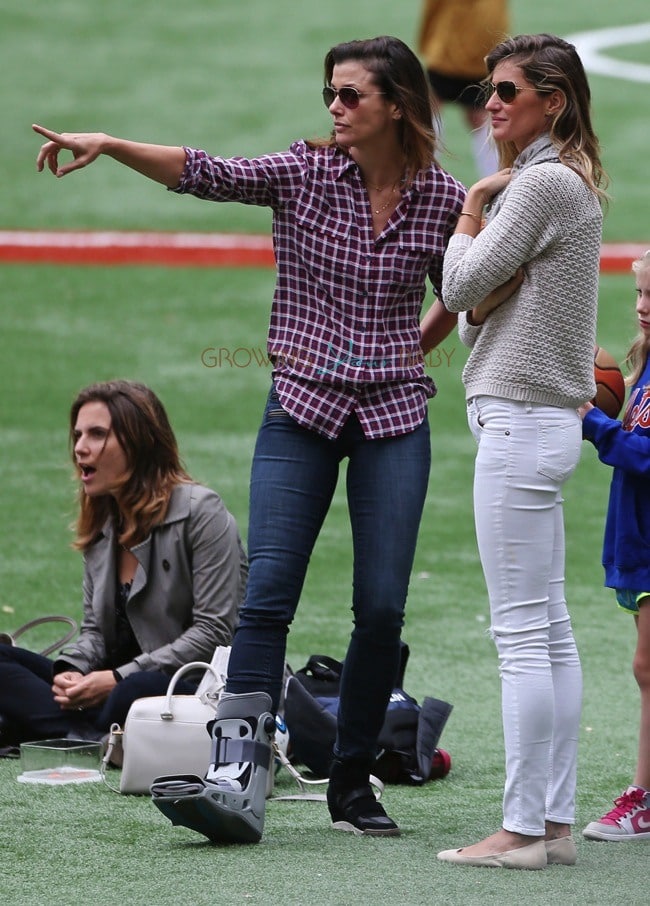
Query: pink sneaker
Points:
[630, 820]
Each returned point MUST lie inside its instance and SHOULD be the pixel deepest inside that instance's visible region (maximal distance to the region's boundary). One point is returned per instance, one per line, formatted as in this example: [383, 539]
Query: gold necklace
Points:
[385, 185]
[381, 209]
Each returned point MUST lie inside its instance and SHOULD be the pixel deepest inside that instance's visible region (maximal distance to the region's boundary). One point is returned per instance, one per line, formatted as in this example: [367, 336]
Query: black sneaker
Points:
[358, 812]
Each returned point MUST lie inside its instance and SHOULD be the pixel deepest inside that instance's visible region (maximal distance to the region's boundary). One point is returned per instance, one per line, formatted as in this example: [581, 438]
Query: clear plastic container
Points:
[56, 761]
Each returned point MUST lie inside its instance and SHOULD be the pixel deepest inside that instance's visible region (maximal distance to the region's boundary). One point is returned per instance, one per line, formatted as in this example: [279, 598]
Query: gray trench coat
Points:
[185, 595]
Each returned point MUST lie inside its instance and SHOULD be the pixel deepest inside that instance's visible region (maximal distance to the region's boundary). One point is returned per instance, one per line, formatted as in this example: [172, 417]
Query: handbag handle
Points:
[186, 668]
[9, 638]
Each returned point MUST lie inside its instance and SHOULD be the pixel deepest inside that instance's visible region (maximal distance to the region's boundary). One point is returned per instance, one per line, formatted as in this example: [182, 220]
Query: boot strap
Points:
[238, 751]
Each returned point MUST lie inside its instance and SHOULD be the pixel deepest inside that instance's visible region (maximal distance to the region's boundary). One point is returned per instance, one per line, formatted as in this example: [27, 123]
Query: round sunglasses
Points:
[348, 96]
[507, 91]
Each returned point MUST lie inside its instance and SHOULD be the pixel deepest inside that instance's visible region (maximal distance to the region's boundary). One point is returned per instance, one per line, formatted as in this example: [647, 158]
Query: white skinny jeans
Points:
[525, 453]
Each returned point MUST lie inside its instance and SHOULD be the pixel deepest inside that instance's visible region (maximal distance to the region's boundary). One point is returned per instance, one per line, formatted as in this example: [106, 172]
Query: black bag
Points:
[408, 739]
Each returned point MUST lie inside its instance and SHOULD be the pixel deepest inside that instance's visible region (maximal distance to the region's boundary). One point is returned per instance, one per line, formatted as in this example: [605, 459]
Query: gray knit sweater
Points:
[538, 346]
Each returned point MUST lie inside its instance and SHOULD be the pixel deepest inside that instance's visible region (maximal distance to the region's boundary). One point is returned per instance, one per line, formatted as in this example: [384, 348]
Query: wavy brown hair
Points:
[154, 468]
[638, 352]
[398, 73]
[552, 64]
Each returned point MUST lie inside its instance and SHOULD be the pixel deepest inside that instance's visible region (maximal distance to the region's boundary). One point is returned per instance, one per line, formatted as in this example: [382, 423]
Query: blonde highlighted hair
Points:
[552, 64]
[638, 352]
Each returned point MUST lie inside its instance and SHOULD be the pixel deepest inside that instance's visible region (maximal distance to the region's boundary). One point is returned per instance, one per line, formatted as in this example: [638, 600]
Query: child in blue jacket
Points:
[625, 445]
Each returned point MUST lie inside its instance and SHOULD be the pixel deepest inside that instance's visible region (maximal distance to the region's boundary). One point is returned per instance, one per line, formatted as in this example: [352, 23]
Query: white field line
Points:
[591, 44]
[117, 239]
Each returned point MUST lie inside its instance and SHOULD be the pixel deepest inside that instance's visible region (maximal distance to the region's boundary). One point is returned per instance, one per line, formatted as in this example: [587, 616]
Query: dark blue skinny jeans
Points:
[294, 475]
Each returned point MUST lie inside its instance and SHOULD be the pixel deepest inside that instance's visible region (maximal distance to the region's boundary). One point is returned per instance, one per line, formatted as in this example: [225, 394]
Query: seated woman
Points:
[164, 575]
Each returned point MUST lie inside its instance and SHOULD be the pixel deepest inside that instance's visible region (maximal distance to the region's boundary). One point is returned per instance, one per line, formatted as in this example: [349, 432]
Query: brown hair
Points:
[398, 73]
[144, 433]
[552, 64]
[638, 352]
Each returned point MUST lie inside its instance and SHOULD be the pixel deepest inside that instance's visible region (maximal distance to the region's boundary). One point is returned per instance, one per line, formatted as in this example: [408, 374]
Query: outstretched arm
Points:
[162, 163]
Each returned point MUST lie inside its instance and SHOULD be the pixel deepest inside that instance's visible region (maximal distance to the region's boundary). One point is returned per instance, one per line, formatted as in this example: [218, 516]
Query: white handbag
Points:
[167, 734]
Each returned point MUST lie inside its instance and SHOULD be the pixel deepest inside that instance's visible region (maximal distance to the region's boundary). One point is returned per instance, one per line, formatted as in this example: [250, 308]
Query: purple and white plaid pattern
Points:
[344, 331]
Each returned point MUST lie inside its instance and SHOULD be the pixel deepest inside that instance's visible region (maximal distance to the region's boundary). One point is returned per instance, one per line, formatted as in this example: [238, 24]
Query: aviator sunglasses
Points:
[348, 96]
[507, 91]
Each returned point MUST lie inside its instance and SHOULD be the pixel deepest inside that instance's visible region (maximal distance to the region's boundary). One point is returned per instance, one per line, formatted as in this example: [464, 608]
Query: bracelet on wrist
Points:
[476, 217]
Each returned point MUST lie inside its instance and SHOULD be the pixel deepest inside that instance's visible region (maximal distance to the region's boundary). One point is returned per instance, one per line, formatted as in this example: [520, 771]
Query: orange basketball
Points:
[610, 384]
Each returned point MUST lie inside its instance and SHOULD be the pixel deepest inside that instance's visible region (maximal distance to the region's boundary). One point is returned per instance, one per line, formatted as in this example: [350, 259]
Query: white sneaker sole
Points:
[351, 829]
[597, 831]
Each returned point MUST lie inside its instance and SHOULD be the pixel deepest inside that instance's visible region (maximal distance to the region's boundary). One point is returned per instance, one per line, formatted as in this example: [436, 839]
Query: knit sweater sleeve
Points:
[538, 344]
[538, 208]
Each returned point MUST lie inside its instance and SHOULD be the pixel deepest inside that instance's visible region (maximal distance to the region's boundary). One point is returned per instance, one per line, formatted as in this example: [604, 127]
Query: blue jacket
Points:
[626, 446]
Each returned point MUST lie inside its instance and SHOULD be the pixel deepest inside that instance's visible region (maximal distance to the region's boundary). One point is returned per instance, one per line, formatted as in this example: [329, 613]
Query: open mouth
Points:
[87, 471]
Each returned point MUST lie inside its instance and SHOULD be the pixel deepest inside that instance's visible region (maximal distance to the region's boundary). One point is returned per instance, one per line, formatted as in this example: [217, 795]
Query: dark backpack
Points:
[408, 739]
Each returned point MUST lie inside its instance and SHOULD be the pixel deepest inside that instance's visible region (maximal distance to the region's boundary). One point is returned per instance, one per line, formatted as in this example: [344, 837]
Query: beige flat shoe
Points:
[531, 857]
[561, 851]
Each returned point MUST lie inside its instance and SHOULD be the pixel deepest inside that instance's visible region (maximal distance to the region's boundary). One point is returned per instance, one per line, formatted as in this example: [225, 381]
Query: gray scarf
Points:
[541, 151]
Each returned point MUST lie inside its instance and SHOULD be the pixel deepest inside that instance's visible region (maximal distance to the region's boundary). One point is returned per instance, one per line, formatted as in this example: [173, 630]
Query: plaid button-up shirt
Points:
[344, 332]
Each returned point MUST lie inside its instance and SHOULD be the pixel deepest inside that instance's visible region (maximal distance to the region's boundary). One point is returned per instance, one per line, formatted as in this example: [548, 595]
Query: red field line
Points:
[617, 258]
[189, 249]
[122, 248]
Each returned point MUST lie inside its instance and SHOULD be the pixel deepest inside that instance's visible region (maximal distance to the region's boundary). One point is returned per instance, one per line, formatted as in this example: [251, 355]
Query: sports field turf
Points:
[245, 78]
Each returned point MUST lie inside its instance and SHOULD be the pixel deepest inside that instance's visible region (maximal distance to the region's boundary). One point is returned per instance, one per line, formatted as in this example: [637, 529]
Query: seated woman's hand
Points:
[75, 691]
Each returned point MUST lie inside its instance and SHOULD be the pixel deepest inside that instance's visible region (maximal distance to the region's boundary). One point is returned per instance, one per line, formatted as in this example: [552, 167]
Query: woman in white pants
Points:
[533, 258]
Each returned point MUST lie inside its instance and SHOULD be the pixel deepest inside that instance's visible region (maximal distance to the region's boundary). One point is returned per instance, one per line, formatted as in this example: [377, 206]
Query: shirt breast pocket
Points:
[321, 240]
[411, 262]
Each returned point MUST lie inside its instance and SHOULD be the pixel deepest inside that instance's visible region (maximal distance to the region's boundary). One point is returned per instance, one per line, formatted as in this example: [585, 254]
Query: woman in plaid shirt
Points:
[360, 220]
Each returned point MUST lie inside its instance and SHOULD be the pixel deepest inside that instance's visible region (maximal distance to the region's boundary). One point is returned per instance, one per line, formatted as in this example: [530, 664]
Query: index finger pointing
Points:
[53, 136]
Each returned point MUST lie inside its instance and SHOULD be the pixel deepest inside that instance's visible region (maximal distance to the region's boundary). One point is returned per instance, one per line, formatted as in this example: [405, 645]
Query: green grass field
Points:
[245, 78]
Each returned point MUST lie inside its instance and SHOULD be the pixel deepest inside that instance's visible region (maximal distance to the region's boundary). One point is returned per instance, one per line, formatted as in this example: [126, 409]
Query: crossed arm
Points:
[437, 323]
